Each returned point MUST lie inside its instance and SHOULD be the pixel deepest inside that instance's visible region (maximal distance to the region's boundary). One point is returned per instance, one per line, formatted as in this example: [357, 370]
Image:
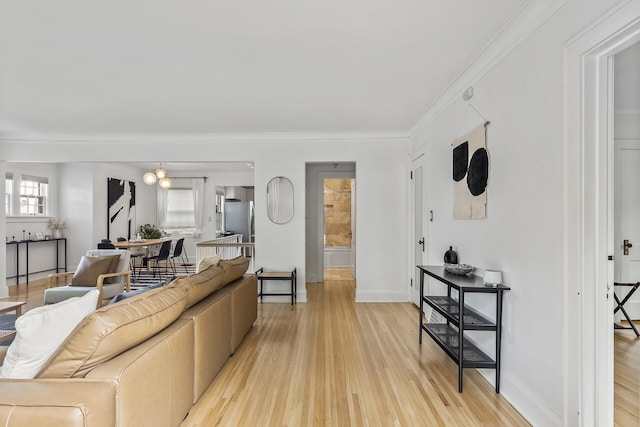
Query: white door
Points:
[418, 228]
[627, 220]
[353, 227]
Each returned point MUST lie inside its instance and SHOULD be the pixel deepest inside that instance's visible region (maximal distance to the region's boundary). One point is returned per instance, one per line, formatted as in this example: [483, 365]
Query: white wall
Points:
[381, 198]
[522, 96]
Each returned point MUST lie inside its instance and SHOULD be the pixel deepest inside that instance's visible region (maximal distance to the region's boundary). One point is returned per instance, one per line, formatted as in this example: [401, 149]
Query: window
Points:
[8, 193]
[33, 195]
[180, 209]
[219, 212]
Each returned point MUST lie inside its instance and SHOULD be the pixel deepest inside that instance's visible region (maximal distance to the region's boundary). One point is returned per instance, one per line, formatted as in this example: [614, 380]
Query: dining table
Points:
[145, 244]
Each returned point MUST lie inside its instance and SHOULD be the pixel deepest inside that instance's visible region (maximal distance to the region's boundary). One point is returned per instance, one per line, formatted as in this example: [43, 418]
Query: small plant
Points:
[149, 231]
[57, 223]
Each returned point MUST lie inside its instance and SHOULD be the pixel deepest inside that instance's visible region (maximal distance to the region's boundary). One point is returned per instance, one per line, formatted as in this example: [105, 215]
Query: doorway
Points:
[333, 243]
[589, 241]
[626, 144]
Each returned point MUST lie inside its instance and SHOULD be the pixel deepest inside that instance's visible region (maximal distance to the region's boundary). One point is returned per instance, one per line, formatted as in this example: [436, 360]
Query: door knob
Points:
[421, 242]
[625, 246]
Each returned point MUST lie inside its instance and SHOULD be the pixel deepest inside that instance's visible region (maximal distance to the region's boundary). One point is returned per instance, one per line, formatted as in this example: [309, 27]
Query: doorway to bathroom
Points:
[331, 220]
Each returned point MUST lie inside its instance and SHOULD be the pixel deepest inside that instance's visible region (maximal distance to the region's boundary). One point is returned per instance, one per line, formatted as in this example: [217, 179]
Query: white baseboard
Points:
[381, 296]
[525, 401]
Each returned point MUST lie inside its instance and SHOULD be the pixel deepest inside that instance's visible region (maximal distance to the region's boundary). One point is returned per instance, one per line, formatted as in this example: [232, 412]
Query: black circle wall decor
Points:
[478, 173]
[460, 161]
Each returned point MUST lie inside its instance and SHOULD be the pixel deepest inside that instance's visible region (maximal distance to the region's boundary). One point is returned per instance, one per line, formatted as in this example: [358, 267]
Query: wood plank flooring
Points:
[333, 362]
[627, 378]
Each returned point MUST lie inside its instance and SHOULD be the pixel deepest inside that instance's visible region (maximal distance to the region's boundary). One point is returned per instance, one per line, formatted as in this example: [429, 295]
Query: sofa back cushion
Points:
[233, 268]
[208, 262]
[200, 285]
[113, 329]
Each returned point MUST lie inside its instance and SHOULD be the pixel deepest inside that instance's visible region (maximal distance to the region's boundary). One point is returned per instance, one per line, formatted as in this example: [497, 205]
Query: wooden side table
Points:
[6, 307]
[278, 275]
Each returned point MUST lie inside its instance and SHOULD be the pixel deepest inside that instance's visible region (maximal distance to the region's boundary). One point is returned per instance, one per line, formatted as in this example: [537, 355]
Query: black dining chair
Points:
[179, 252]
[106, 244]
[163, 255]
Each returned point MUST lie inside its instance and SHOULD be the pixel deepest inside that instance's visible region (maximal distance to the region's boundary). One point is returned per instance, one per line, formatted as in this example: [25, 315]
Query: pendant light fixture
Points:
[160, 176]
[165, 182]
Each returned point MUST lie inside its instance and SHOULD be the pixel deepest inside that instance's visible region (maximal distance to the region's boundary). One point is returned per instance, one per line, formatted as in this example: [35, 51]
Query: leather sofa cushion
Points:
[201, 284]
[111, 330]
[233, 268]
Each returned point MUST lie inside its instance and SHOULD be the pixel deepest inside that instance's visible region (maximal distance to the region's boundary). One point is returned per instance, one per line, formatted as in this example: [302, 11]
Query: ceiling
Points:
[212, 67]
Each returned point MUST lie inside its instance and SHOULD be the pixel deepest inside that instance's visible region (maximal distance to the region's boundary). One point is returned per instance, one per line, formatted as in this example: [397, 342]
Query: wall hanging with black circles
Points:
[470, 175]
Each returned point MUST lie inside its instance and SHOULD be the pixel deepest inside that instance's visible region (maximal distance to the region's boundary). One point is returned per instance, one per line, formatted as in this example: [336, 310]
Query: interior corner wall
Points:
[522, 96]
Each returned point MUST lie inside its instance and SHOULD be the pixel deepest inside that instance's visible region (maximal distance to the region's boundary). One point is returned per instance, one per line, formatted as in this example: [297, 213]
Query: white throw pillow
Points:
[39, 332]
[208, 262]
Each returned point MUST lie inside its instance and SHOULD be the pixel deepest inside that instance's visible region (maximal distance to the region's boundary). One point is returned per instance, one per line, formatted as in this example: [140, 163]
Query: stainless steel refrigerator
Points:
[238, 218]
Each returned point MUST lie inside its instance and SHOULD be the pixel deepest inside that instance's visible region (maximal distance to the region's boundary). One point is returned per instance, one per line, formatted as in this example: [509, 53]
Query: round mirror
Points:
[280, 200]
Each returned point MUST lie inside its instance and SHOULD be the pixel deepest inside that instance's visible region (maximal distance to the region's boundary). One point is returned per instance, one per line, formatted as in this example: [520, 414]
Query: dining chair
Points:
[106, 245]
[179, 252]
[163, 255]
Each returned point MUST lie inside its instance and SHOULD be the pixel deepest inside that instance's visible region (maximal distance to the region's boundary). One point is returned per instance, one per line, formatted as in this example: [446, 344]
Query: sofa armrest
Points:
[57, 402]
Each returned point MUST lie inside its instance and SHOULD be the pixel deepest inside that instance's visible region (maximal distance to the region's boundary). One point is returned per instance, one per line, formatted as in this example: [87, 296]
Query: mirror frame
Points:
[276, 217]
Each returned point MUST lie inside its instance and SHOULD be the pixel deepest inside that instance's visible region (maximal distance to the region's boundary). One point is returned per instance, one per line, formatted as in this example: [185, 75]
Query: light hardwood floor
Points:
[333, 362]
[627, 382]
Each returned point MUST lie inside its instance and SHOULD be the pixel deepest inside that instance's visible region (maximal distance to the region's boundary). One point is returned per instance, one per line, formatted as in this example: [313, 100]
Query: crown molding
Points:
[528, 19]
[206, 138]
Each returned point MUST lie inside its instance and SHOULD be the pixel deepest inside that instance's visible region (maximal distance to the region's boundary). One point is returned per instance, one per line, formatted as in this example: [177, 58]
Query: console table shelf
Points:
[449, 335]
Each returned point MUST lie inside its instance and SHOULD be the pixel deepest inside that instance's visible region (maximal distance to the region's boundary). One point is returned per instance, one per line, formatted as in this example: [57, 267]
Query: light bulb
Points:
[165, 182]
[149, 178]
[161, 172]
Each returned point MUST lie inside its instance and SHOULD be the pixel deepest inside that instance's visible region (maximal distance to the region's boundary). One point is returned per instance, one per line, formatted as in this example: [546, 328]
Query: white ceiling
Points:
[213, 67]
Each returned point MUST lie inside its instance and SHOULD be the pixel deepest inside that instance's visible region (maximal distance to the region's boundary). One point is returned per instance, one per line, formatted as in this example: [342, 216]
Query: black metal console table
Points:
[449, 335]
[30, 242]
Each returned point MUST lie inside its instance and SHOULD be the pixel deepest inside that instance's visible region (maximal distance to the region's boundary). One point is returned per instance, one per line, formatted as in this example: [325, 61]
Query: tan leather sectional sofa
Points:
[143, 361]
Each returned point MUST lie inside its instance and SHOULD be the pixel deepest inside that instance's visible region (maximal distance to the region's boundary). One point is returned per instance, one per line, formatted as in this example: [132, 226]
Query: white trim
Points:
[296, 137]
[381, 296]
[532, 15]
[588, 363]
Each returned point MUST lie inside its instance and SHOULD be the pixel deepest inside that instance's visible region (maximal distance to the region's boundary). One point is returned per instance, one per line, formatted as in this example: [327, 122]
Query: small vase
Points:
[450, 256]
[57, 234]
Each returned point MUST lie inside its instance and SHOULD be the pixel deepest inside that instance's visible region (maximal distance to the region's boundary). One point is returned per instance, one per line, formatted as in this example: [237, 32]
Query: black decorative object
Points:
[451, 256]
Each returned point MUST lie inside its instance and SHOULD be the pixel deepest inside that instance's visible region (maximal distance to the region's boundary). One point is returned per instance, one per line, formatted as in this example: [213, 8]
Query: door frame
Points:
[588, 231]
[416, 163]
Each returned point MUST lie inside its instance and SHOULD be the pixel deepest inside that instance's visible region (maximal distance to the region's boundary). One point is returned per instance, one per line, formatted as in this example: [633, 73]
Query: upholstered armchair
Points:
[104, 269]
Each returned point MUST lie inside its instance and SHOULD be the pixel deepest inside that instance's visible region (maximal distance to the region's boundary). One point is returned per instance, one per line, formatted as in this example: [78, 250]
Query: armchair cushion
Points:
[40, 331]
[91, 267]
